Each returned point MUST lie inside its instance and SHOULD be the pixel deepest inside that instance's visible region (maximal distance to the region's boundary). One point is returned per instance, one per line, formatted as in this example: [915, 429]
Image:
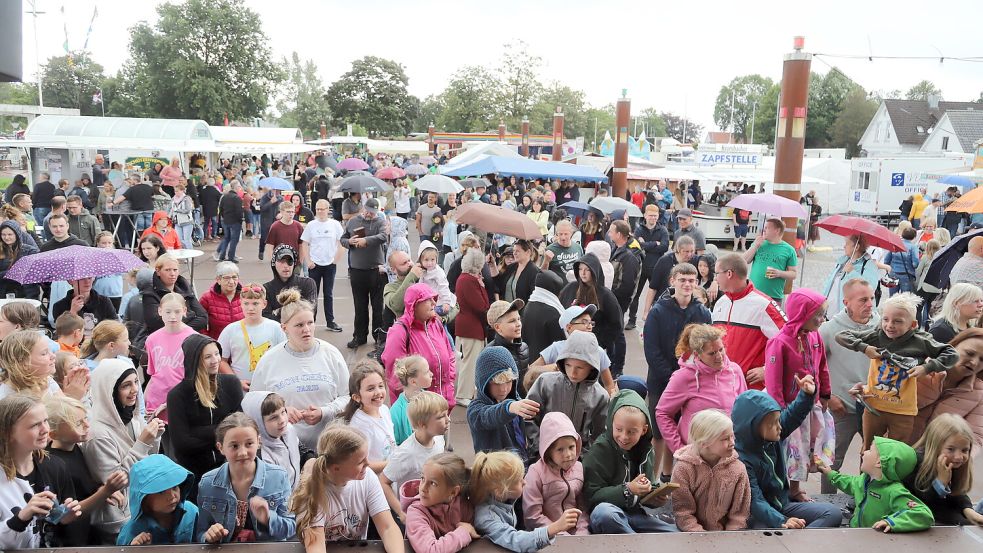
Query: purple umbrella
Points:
[353, 164]
[72, 263]
[769, 204]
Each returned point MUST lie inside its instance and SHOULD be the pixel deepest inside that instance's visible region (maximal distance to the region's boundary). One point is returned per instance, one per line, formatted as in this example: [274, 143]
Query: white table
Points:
[190, 255]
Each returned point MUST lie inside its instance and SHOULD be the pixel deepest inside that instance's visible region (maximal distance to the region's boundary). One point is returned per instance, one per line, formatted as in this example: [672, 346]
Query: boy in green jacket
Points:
[883, 503]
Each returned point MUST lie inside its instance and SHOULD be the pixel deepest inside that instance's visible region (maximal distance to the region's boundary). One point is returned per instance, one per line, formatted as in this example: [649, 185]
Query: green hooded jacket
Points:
[886, 499]
[607, 467]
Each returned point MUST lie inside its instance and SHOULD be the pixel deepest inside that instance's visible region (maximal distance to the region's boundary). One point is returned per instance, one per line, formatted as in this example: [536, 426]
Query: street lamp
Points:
[754, 108]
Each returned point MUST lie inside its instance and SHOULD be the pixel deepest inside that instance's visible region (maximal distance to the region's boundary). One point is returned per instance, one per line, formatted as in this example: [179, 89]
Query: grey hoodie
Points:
[846, 367]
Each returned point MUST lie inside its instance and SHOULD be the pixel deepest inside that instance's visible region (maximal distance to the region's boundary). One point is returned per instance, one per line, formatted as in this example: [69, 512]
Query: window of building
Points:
[945, 143]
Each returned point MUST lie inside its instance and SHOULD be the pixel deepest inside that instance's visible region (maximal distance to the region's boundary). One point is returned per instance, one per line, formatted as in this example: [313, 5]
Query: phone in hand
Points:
[660, 492]
[56, 513]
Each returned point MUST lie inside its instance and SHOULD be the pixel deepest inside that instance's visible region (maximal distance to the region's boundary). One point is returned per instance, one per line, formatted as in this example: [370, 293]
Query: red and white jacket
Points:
[751, 318]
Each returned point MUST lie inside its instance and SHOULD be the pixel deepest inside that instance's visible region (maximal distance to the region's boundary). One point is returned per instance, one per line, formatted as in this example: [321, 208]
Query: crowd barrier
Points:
[941, 539]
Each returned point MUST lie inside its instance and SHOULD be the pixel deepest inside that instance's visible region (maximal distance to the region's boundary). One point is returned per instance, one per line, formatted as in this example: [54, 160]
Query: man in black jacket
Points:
[85, 302]
[60, 238]
[654, 239]
[210, 196]
[41, 197]
[284, 258]
[231, 212]
[627, 264]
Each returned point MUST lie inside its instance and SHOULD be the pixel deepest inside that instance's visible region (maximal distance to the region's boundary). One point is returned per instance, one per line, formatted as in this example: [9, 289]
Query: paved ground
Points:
[816, 267]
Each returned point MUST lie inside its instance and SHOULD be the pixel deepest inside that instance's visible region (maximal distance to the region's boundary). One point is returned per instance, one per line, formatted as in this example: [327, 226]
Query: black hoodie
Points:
[191, 424]
[22, 248]
[541, 322]
[608, 322]
[197, 317]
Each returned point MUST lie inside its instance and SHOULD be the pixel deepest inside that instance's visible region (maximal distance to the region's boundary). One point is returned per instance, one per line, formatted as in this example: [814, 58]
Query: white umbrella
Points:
[439, 184]
[608, 204]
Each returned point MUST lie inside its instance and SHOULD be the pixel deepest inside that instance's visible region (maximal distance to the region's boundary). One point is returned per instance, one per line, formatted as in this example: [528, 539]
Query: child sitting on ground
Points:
[883, 502]
[714, 492]
[496, 414]
[279, 442]
[555, 483]
[572, 390]
[415, 376]
[160, 513]
[435, 276]
[496, 483]
[618, 470]
[439, 517]
[944, 474]
[428, 415]
[69, 332]
[900, 352]
[760, 427]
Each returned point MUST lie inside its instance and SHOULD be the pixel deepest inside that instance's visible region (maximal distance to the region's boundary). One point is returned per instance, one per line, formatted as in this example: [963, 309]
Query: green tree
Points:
[302, 103]
[373, 94]
[71, 82]
[518, 83]
[21, 94]
[203, 59]
[766, 116]
[651, 122]
[922, 91]
[685, 131]
[467, 101]
[736, 102]
[856, 113]
[571, 102]
[599, 120]
[430, 109]
[826, 95]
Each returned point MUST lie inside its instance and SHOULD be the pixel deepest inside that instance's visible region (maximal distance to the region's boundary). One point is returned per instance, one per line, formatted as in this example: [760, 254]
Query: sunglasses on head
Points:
[255, 288]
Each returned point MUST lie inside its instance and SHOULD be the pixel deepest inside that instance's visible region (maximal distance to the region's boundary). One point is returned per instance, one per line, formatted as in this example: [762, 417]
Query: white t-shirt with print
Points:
[378, 431]
[350, 508]
[406, 463]
[235, 348]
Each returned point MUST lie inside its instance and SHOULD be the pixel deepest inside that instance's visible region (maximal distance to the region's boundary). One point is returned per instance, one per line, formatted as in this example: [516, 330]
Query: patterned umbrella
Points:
[72, 263]
[353, 164]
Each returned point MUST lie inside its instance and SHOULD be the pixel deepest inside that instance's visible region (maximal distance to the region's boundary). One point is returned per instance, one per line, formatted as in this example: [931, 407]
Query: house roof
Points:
[968, 126]
[907, 115]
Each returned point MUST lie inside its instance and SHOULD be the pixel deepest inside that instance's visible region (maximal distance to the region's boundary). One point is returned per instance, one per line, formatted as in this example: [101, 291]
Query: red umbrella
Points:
[388, 173]
[876, 235]
[497, 219]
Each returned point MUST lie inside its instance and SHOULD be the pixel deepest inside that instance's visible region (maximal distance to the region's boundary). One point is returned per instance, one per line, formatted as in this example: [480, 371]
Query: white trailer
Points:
[878, 185]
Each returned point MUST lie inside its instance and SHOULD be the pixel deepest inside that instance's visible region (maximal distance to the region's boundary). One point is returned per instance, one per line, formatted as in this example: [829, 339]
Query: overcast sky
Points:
[673, 56]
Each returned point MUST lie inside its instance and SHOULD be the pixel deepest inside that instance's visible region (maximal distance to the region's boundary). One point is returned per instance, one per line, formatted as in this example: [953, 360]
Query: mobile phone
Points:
[660, 492]
[56, 513]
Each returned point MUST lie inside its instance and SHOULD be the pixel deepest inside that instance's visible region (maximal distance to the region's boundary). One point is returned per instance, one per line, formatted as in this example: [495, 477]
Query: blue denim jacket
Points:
[217, 502]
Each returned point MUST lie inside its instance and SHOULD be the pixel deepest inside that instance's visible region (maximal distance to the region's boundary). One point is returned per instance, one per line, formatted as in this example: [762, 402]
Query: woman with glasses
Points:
[221, 301]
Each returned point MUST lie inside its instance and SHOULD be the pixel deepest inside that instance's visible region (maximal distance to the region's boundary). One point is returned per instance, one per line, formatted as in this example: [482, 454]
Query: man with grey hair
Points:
[230, 209]
[969, 268]
[563, 252]
[221, 301]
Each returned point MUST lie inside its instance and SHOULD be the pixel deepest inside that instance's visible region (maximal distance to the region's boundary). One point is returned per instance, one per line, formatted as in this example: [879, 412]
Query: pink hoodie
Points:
[784, 357]
[693, 388]
[434, 529]
[428, 339]
[549, 490]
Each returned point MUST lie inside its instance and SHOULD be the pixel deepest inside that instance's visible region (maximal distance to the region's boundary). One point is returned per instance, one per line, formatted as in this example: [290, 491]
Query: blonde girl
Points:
[944, 474]
[440, 517]
[961, 309]
[165, 365]
[367, 411]
[714, 491]
[496, 483]
[28, 365]
[335, 502]
[415, 376]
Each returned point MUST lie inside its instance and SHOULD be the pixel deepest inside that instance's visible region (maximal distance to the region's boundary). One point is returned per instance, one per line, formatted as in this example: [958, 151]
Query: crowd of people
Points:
[155, 415]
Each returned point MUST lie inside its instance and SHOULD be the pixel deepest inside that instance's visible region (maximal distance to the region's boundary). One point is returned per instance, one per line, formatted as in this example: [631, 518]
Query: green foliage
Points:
[600, 119]
[651, 122]
[430, 109]
[201, 60]
[518, 84]
[71, 84]
[572, 103]
[467, 101]
[922, 91]
[684, 131]
[766, 116]
[373, 94]
[856, 113]
[744, 92]
[302, 103]
[826, 95]
[22, 94]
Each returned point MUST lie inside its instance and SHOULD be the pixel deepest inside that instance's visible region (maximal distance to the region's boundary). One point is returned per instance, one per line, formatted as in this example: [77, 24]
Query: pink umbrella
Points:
[493, 218]
[387, 173]
[353, 164]
[769, 204]
[876, 235]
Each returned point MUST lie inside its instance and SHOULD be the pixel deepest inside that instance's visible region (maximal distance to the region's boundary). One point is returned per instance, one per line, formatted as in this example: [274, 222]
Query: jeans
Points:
[254, 219]
[125, 231]
[905, 284]
[325, 274]
[41, 212]
[847, 426]
[211, 227]
[815, 513]
[230, 240]
[263, 232]
[367, 285]
[609, 519]
[143, 221]
[184, 233]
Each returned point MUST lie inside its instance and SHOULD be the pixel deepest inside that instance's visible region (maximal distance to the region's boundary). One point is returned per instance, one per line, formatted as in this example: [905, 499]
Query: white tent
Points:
[78, 132]
[475, 150]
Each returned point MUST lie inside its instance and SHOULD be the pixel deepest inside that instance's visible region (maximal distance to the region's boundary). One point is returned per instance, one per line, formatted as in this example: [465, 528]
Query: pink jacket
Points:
[170, 175]
[428, 339]
[549, 490]
[710, 498]
[693, 388]
[965, 400]
[434, 529]
[783, 358]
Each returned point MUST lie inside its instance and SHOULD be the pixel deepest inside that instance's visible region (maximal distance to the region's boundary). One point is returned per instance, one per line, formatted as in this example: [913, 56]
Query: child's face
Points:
[171, 314]
[895, 322]
[30, 432]
[252, 308]
[73, 431]
[239, 446]
[162, 502]
[42, 360]
[499, 392]
[120, 346]
[434, 488]
[704, 268]
[563, 453]
[577, 370]
[127, 391]
[423, 379]
[770, 427]
[628, 428]
[515, 490]
[276, 423]
[371, 391]
[816, 320]
[956, 451]
[105, 242]
[429, 259]
[352, 468]
[720, 447]
[870, 463]
[437, 425]
[509, 326]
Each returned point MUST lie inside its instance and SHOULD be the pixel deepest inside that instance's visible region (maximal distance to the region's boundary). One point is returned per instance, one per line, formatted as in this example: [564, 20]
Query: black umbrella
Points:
[475, 182]
[945, 259]
[363, 182]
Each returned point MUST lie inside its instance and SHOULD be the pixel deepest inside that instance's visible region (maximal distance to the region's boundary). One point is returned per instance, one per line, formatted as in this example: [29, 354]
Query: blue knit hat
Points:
[493, 360]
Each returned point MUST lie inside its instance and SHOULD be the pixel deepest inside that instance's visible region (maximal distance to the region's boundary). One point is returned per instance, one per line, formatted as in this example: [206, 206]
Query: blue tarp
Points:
[529, 168]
